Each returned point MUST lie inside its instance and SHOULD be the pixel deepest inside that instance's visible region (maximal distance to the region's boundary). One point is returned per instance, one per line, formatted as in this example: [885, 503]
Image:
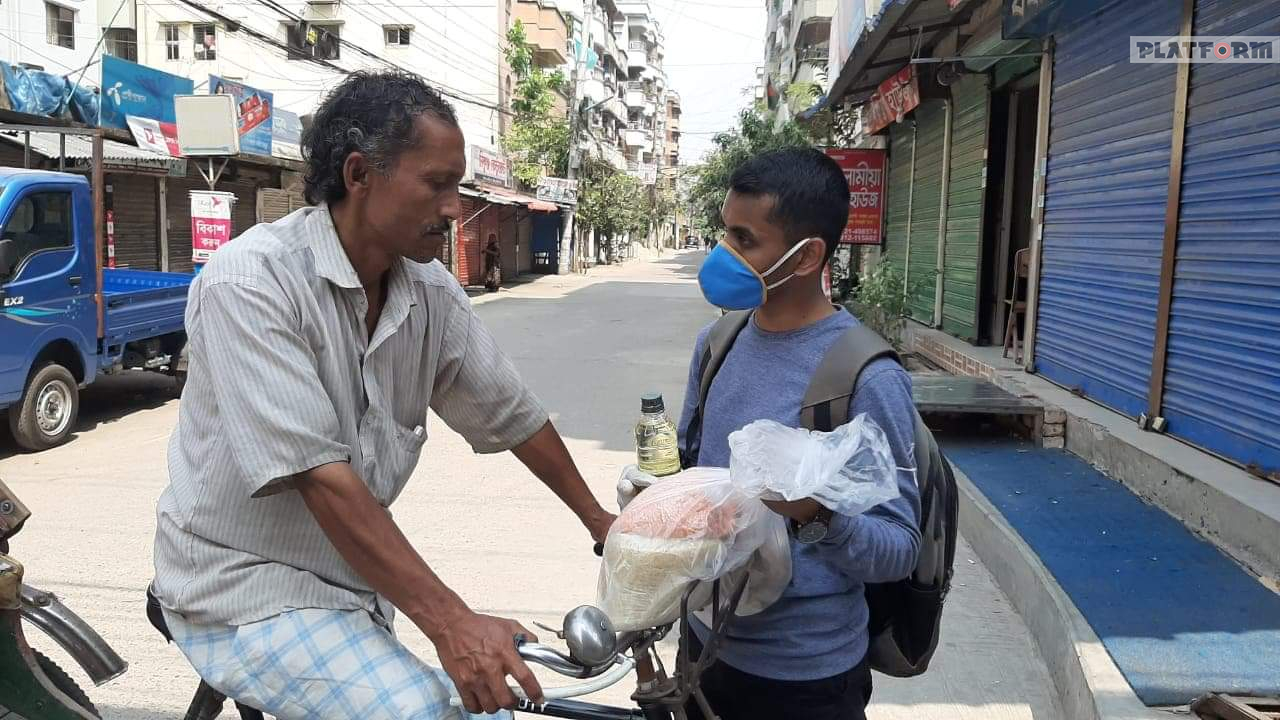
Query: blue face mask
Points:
[728, 280]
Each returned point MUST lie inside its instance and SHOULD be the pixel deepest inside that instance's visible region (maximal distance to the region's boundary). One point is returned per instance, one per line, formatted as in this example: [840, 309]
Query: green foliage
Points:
[612, 203]
[755, 134]
[881, 300]
[536, 139]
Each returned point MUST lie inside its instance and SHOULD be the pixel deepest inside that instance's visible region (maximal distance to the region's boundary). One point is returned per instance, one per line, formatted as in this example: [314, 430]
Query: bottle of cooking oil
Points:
[656, 444]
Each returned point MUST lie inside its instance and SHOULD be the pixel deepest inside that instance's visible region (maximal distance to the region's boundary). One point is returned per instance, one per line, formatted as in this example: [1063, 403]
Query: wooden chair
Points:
[1016, 304]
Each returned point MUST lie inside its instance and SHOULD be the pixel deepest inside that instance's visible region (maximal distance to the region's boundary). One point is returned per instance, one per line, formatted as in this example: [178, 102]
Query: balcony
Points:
[812, 23]
[615, 108]
[593, 90]
[638, 136]
[546, 30]
[806, 10]
[599, 36]
[636, 56]
[635, 93]
[814, 54]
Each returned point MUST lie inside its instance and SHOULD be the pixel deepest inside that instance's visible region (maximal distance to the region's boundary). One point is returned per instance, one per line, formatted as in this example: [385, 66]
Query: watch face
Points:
[812, 532]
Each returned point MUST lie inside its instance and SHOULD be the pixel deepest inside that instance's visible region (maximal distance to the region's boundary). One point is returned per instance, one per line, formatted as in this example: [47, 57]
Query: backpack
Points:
[906, 615]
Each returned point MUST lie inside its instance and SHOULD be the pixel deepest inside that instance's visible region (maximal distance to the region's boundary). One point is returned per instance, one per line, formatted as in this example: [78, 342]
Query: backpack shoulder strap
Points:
[719, 341]
[826, 402]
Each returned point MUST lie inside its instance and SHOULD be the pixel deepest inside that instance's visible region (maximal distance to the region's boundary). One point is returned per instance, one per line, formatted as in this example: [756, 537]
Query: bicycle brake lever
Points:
[558, 633]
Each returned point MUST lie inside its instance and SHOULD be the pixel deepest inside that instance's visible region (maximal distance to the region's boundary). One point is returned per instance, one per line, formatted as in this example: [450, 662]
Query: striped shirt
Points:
[283, 377]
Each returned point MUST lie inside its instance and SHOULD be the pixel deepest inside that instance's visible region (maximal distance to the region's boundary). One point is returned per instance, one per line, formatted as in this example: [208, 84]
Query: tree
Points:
[755, 134]
[607, 202]
[536, 139]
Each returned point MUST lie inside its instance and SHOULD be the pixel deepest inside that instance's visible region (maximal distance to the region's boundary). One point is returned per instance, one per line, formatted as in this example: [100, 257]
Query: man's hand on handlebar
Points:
[479, 652]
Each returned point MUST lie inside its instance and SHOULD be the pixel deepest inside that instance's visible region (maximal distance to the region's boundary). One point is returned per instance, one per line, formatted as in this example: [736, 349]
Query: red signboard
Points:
[896, 96]
[865, 171]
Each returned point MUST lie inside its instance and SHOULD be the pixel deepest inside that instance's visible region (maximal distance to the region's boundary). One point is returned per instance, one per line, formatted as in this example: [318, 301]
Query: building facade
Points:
[1125, 211]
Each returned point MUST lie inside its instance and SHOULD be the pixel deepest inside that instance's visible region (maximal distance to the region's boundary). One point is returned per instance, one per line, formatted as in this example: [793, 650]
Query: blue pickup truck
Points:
[64, 319]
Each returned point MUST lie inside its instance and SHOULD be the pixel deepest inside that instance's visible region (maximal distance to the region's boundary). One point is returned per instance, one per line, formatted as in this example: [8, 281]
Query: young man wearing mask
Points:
[803, 657]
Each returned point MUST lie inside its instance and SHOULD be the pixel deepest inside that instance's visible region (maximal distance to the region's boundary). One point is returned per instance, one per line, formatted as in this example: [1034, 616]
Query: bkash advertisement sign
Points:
[253, 113]
[137, 90]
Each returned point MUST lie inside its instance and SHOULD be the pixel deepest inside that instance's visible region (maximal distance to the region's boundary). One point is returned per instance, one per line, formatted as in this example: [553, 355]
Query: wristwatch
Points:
[816, 529]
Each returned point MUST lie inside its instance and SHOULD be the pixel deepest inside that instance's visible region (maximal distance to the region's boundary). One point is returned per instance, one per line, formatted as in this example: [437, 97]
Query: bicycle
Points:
[597, 655]
[31, 684]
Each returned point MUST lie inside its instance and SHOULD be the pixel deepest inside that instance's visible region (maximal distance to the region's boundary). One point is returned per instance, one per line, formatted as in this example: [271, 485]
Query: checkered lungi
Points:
[318, 664]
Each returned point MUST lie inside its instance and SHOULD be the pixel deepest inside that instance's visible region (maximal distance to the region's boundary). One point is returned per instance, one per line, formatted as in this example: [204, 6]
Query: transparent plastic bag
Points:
[691, 526]
[849, 470]
[711, 523]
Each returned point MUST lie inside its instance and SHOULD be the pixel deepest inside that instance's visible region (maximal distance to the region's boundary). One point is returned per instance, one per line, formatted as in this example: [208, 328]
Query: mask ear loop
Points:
[798, 246]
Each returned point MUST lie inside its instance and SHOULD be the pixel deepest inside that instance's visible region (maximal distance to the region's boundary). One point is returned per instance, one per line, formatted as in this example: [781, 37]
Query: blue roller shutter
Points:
[1106, 191]
[1222, 379]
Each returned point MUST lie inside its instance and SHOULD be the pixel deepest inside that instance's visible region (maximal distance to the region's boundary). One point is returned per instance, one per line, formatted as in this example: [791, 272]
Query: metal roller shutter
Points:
[962, 253]
[178, 199]
[1105, 196]
[470, 267]
[134, 204]
[274, 203]
[1222, 377]
[508, 239]
[524, 263]
[244, 212]
[926, 209]
[898, 203]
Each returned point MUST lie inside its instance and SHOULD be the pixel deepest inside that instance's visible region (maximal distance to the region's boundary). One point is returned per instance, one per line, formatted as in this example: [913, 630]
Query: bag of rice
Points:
[710, 523]
[690, 526]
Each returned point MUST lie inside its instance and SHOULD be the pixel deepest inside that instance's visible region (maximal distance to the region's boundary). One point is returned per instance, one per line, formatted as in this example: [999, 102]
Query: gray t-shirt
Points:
[819, 627]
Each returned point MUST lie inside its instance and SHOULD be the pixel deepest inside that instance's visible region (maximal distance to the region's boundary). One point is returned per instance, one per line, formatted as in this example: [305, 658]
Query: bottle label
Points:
[659, 455]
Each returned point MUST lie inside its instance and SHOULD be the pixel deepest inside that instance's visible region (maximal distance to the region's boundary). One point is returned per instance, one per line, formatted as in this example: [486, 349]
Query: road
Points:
[589, 346]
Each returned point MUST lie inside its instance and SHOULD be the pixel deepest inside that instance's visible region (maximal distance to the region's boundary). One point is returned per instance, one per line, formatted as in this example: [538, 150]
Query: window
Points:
[122, 43]
[172, 42]
[205, 41]
[42, 221]
[321, 42]
[398, 35]
[61, 25]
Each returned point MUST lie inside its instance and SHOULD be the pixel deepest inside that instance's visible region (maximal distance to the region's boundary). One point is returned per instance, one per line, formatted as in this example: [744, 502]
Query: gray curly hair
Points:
[371, 113]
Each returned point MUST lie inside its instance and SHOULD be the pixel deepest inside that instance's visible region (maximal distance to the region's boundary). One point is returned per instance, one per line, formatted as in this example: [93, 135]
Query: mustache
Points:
[437, 229]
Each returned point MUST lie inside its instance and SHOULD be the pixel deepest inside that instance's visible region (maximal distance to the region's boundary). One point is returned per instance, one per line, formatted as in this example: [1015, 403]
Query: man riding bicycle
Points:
[317, 345]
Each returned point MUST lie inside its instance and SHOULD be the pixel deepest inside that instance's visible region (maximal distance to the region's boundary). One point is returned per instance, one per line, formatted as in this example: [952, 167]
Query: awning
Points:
[904, 27]
[511, 197]
[117, 155]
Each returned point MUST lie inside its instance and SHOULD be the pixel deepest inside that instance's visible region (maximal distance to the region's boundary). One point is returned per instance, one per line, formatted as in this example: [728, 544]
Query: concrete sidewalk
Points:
[589, 345]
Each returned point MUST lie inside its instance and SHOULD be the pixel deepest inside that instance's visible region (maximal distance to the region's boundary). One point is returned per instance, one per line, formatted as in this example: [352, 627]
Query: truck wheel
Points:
[47, 413]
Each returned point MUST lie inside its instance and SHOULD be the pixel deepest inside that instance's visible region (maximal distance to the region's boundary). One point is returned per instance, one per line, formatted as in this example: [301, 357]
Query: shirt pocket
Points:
[397, 463]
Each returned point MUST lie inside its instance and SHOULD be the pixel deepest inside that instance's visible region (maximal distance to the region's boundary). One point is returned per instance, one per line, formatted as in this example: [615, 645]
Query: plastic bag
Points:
[710, 523]
[694, 525]
[849, 470]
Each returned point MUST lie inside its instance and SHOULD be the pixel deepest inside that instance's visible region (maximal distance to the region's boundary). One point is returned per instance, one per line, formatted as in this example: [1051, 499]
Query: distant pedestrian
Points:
[492, 264]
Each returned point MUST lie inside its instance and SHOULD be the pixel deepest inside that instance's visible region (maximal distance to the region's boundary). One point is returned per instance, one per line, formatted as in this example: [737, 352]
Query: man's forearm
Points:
[546, 457]
[369, 540]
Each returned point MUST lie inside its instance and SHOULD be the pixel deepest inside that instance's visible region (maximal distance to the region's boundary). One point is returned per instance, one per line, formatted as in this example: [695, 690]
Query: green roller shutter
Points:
[926, 209]
[898, 204]
[962, 253]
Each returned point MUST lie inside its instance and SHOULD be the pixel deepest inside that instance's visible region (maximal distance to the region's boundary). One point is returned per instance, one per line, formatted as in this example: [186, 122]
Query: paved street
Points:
[589, 345]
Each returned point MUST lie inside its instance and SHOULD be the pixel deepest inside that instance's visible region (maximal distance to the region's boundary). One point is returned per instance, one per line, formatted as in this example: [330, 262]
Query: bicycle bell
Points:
[590, 636]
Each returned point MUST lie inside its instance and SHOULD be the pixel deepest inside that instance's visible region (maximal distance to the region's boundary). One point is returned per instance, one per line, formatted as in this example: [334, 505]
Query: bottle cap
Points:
[652, 403]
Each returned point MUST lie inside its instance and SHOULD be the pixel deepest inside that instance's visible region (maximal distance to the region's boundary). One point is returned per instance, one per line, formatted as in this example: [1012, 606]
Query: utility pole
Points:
[575, 152]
